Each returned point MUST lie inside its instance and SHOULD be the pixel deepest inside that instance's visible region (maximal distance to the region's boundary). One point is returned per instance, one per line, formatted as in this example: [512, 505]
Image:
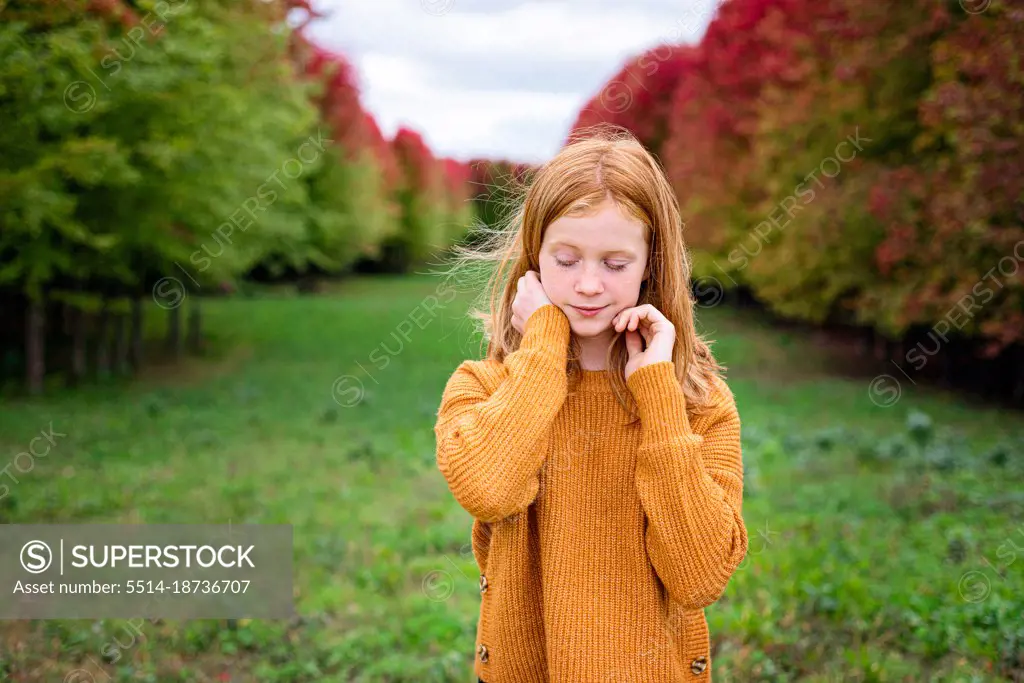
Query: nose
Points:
[589, 283]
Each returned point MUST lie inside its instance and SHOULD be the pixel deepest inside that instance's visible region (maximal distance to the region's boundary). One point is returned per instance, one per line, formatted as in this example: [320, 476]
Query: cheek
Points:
[628, 291]
[553, 279]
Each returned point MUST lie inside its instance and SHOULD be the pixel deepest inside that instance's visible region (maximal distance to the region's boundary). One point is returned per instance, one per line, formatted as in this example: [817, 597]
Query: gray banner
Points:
[170, 571]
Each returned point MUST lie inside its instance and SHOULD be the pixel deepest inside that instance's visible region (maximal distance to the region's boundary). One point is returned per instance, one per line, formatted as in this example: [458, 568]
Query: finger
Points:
[647, 330]
[652, 314]
[534, 279]
[633, 345]
[656, 321]
[647, 312]
[647, 319]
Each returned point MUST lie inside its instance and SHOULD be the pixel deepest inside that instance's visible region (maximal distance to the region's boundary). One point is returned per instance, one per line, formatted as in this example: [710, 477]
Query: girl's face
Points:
[593, 261]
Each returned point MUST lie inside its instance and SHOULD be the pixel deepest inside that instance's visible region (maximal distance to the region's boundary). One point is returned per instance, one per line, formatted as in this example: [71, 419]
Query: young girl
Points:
[596, 446]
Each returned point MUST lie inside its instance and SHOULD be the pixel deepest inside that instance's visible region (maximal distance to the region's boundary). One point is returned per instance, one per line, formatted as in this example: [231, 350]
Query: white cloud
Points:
[489, 78]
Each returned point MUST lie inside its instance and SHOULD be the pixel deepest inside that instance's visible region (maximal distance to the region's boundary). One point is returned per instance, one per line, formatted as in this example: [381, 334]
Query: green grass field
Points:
[881, 538]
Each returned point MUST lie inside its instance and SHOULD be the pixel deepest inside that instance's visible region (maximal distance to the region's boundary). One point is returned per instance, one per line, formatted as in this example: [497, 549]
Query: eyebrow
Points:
[624, 252]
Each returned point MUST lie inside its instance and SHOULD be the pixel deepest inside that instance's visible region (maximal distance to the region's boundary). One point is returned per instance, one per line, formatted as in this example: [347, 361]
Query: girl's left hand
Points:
[659, 336]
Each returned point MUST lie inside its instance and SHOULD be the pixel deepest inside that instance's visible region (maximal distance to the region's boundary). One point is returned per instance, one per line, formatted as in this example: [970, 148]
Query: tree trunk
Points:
[173, 340]
[35, 330]
[67, 319]
[194, 325]
[102, 350]
[880, 347]
[1018, 374]
[864, 347]
[78, 321]
[135, 352]
[121, 363]
[946, 378]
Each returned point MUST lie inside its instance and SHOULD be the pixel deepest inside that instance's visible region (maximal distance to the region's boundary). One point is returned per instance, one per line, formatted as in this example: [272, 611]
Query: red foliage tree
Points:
[905, 230]
[954, 241]
[639, 96]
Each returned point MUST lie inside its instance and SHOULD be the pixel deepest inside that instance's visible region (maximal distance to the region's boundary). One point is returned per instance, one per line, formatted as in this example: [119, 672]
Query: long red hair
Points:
[597, 163]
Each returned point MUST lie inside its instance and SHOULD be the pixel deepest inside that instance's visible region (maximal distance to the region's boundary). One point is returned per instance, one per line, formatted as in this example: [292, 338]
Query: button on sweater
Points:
[599, 540]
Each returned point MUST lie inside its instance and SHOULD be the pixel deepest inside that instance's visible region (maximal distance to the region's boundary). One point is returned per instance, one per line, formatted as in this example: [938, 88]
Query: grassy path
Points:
[879, 536]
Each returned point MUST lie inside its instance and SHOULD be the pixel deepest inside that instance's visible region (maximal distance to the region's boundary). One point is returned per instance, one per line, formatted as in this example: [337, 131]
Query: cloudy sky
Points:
[495, 78]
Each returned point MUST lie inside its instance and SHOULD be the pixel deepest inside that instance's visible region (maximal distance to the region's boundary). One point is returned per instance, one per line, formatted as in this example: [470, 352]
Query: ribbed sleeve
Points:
[492, 416]
[690, 483]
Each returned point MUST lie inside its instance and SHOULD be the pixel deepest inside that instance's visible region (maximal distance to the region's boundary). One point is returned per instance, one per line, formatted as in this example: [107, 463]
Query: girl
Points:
[596, 446]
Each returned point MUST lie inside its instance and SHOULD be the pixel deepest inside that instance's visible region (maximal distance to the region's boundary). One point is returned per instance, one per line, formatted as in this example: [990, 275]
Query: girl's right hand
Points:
[529, 297]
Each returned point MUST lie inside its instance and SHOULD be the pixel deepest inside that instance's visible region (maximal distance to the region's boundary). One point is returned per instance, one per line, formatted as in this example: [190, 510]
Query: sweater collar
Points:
[598, 381]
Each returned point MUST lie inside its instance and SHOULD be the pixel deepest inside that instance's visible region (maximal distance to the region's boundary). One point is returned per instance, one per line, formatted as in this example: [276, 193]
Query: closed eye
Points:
[569, 264]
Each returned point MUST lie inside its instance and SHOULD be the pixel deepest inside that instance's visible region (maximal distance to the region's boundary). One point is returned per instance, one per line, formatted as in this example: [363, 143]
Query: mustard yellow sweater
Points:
[599, 544]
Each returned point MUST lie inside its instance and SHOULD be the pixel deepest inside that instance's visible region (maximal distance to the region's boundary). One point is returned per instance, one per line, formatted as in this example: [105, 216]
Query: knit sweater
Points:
[599, 543]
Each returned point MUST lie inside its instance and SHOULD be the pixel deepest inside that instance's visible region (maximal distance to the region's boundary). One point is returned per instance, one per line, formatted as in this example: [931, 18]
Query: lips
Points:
[589, 311]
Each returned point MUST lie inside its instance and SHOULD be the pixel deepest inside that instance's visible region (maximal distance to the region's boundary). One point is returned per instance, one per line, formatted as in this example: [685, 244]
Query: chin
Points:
[589, 328]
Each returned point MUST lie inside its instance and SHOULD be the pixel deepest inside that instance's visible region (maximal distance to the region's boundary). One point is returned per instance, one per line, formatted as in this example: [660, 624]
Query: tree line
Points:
[170, 149]
[848, 164]
[851, 164]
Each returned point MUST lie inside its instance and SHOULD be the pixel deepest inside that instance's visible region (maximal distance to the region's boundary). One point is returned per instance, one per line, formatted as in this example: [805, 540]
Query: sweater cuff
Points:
[547, 329]
[661, 402]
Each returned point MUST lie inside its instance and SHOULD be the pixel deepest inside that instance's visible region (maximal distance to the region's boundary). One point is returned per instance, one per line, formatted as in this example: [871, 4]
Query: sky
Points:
[495, 78]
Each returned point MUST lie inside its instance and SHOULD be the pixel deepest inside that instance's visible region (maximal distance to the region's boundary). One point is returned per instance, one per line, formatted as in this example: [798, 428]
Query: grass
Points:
[881, 538]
